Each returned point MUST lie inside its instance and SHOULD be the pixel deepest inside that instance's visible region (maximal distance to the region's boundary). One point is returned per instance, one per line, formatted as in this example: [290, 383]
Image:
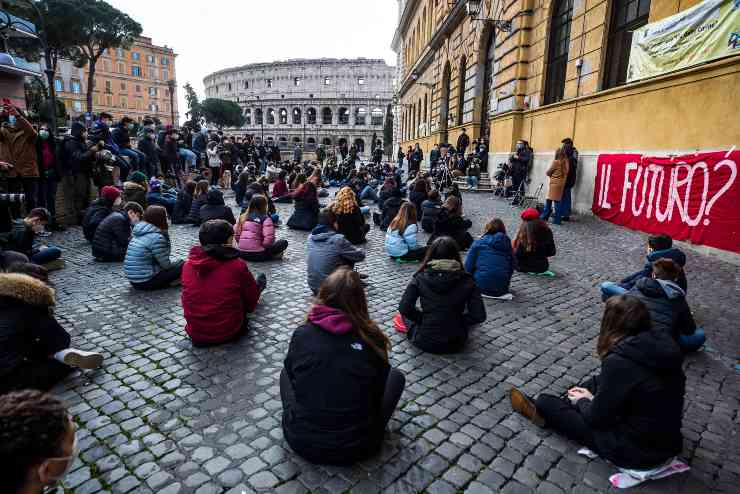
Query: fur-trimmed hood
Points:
[26, 289]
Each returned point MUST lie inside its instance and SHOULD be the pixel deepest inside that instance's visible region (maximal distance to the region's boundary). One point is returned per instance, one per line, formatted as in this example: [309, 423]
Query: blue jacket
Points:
[148, 253]
[398, 245]
[673, 253]
[491, 262]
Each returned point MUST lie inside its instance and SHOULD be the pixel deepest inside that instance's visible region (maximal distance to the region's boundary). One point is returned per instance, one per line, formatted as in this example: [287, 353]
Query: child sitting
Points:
[350, 218]
[430, 210]
[100, 208]
[532, 247]
[255, 233]
[491, 260]
[215, 208]
[199, 200]
[22, 239]
[157, 196]
[280, 188]
[217, 288]
[135, 189]
[400, 238]
[183, 203]
[306, 208]
[112, 236]
[451, 223]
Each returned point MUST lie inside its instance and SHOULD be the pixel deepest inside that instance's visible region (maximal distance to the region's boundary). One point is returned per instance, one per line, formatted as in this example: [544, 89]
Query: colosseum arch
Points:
[326, 115]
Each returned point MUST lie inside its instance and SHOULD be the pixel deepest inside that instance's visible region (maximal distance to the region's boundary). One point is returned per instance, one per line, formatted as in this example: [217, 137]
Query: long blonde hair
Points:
[345, 202]
[406, 216]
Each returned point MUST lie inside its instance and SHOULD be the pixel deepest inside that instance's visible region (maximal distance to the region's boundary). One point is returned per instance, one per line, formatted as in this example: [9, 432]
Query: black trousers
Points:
[268, 254]
[416, 254]
[163, 279]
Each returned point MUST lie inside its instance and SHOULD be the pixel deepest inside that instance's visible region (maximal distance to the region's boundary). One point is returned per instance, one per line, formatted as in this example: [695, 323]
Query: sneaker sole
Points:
[524, 406]
[83, 361]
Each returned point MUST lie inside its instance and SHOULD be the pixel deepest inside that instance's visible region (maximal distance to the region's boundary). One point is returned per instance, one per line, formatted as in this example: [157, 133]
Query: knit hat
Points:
[110, 193]
[530, 214]
[155, 184]
[138, 177]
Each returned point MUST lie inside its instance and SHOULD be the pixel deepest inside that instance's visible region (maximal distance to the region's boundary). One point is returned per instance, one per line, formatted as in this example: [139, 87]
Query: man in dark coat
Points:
[78, 158]
[112, 236]
[99, 210]
[463, 141]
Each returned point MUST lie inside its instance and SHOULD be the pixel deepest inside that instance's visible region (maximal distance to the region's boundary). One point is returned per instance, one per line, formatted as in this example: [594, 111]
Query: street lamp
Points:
[172, 86]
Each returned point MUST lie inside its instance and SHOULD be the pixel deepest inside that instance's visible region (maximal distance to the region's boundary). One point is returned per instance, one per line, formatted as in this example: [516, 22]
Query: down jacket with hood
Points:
[111, 238]
[215, 208]
[338, 383]
[148, 253]
[638, 400]
[255, 234]
[327, 250]
[673, 253]
[491, 262]
[450, 304]
[397, 244]
[94, 215]
[194, 215]
[667, 305]
[217, 292]
[429, 212]
[454, 226]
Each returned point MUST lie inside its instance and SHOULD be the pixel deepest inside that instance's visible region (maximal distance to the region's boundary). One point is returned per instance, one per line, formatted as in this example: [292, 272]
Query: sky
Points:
[210, 35]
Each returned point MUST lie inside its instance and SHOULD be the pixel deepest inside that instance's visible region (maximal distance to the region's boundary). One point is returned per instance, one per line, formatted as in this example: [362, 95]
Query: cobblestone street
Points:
[164, 417]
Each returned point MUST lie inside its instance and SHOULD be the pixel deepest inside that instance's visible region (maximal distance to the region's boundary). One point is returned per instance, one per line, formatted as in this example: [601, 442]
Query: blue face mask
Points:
[11, 119]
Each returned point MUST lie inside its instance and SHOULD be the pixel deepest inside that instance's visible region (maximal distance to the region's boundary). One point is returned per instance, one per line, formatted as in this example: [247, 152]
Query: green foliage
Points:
[39, 104]
[195, 109]
[222, 113]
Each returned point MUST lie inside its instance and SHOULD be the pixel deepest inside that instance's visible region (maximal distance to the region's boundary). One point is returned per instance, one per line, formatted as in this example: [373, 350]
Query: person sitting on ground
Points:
[400, 238]
[199, 199]
[387, 190]
[533, 245]
[491, 260]
[658, 247]
[147, 264]
[349, 215]
[327, 250]
[135, 189]
[10, 257]
[430, 210]
[419, 192]
[337, 387]
[254, 233]
[306, 208]
[156, 196]
[22, 239]
[450, 301]
[215, 208]
[630, 414]
[240, 186]
[280, 191]
[451, 223]
[36, 352]
[39, 441]
[110, 198]
[218, 291]
[183, 203]
[299, 180]
[390, 202]
[112, 236]
[666, 302]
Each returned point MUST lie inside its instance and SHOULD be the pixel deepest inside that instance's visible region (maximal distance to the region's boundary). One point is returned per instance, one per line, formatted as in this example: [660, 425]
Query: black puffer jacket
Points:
[183, 203]
[390, 209]
[215, 208]
[450, 304]
[455, 226]
[666, 302]
[305, 214]
[194, 215]
[352, 226]
[111, 238]
[536, 261]
[95, 214]
[638, 402]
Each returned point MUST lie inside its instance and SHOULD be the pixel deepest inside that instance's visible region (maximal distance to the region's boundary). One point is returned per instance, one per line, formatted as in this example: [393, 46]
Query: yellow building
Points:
[558, 70]
[131, 82]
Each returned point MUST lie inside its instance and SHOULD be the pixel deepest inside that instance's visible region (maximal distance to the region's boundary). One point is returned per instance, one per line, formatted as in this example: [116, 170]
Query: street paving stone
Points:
[162, 416]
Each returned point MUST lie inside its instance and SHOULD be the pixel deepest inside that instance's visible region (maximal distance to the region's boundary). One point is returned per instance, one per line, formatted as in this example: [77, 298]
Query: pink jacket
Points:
[254, 234]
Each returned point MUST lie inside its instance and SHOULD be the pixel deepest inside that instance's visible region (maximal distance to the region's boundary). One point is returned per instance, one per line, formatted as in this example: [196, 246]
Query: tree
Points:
[39, 105]
[195, 109]
[103, 27]
[222, 113]
[388, 132]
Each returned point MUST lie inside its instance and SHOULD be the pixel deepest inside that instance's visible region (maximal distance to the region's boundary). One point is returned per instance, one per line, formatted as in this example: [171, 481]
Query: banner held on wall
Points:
[694, 197]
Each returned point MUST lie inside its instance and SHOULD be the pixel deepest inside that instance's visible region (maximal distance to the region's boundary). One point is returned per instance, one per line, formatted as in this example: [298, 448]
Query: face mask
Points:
[11, 119]
[69, 459]
[130, 126]
[44, 134]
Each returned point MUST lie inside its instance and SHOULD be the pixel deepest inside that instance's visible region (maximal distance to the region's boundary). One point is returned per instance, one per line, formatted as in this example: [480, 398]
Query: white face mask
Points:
[70, 461]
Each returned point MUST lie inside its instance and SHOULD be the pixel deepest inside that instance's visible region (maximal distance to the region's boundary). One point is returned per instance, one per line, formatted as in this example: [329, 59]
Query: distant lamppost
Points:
[172, 86]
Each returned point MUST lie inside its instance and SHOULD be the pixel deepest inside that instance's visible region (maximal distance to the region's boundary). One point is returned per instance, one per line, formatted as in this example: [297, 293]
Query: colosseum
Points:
[309, 102]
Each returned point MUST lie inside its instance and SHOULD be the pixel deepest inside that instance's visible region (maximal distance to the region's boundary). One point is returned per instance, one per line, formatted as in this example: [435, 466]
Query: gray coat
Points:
[327, 250]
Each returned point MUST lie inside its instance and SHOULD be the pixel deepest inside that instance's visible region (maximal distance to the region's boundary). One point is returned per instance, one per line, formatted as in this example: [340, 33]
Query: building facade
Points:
[133, 82]
[558, 71]
[309, 102]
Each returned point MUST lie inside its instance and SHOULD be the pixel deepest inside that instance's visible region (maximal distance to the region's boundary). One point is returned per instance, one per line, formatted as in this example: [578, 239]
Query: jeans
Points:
[472, 181]
[609, 289]
[189, 157]
[269, 254]
[48, 196]
[369, 193]
[137, 157]
[565, 203]
[163, 279]
[548, 210]
[43, 256]
[692, 342]
[76, 197]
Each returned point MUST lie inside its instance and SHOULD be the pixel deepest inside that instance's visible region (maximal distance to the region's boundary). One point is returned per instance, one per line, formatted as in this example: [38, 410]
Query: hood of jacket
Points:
[672, 253]
[655, 349]
[26, 289]
[143, 228]
[441, 276]
[498, 241]
[206, 259]
[654, 288]
[215, 198]
[330, 319]
[322, 233]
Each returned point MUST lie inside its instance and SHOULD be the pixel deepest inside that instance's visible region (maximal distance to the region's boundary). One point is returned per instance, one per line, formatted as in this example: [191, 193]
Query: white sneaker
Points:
[80, 358]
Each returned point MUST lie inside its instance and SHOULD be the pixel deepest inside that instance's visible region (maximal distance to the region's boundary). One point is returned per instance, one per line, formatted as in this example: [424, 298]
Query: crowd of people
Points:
[338, 387]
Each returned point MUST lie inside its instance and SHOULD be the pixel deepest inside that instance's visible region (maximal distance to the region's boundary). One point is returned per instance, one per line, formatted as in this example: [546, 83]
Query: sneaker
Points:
[82, 359]
[399, 324]
[524, 406]
[262, 281]
[55, 265]
[363, 276]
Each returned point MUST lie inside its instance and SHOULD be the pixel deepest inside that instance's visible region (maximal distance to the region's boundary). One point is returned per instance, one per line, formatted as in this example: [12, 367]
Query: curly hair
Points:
[345, 201]
[32, 427]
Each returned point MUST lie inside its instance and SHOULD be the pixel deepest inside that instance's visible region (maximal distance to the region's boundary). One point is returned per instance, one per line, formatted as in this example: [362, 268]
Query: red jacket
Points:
[217, 292]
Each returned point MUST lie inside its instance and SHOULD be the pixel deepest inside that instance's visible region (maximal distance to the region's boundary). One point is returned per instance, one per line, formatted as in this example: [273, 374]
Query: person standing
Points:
[417, 156]
[572, 154]
[463, 141]
[558, 173]
[297, 153]
[77, 162]
[50, 171]
[400, 155]
[18, 147]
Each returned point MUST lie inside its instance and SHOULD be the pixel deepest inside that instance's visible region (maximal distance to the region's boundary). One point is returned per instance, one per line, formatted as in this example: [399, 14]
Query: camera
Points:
[12, 198]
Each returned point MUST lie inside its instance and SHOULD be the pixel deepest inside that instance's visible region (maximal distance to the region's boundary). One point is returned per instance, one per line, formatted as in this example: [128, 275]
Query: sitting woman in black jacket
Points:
[630, 414]
[450, 301]
[112, 236]
[450, 223]
[532, 246]
[199, 199]
[215, 208]
[183, 203]
[337, 388]
[306, 208]
[350, 220]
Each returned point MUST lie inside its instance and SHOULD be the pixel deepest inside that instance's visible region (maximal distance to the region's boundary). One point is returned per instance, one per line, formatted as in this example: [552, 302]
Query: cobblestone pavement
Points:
[164, 417]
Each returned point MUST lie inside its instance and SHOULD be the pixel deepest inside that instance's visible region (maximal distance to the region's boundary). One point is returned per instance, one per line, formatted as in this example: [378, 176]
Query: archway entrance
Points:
[444, 108]
[487, 92]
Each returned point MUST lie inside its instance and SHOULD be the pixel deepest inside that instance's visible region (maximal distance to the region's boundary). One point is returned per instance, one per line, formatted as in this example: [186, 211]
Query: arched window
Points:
[283, 142]
[360, 145]
[342, 141]
[627, 15]
[461, 90]
[296, 115]
[444, 108]
[310, 144]
[376, 117]
[247, 117]
[361, 116]
[259, 117]
[270, 116]
[419, 118]
[343, 116]
[557, 53]
[311, 115]
[283, 115]
[426, 114]
[326, 141]
[326, 115]
[296, 140]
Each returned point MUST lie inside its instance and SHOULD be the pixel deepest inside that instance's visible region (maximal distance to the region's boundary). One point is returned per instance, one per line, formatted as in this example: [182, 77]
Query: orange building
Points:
[133, 82]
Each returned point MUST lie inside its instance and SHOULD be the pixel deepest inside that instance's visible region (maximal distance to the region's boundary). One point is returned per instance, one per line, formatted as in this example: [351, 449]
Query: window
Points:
[343, 116]
[296, 116]
[361, 81]
[165, 75]
[259, 118]
[136, 55]
[283, 116]
[327, 81]
[109, 100]
[268, 83]
[557, 58]
[153, 92]
[297, 81]
[460, 92]
[58, 85]
[153, 107]
[627, 15]
[165, 61]
[120, 68]
[124, 102]
[76, 86]
[108, 87]
[77, 105]
[376, 117]
[270, 116]
[154, 74]
[138, 88]
[167, 93]
[136, 71]
[229, 86]
[248, 117]
[106, 66]
[361, 116]
[283, 142]
[123, 86]
[150, 59]
[326, 115]
[246, 84]
[119, 52]
[311, 115]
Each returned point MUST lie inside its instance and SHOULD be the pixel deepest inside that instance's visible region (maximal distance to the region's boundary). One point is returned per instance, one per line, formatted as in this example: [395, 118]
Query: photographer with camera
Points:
[18, 149]
[50, 171]
[520, 163]
[77, 159]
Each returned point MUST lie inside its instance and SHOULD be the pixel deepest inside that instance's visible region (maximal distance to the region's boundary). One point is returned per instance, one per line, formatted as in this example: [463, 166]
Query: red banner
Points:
[694, 197]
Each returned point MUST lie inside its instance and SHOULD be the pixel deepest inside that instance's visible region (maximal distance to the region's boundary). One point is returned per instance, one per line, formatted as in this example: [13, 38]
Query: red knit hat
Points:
[530, 214]
[110, 193]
